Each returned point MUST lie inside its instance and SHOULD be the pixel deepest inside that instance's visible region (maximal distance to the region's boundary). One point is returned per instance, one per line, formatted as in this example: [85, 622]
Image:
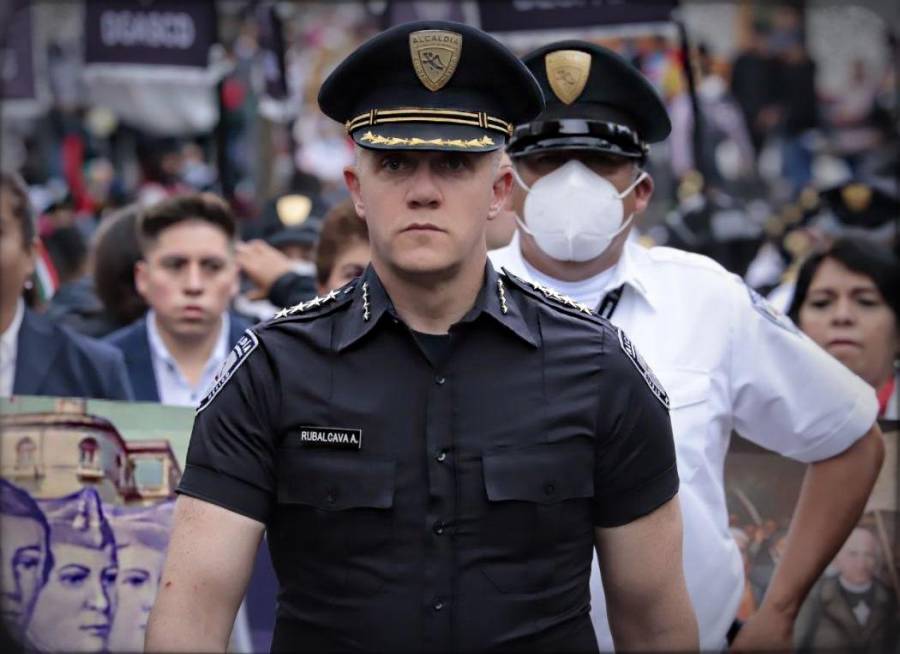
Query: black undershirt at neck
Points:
[435, 346]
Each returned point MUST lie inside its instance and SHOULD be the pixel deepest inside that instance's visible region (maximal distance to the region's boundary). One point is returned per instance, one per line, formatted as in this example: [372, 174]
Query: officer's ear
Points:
[351, 179]
[140, 277]
[502, 189]
[642, 193]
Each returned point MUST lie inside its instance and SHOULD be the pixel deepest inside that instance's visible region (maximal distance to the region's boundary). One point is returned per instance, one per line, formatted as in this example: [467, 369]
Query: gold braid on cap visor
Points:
[422, 115]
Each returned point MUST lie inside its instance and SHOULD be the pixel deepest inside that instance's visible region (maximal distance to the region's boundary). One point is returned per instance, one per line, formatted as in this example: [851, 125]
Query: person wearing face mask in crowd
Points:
[847, 299]
[727, 360]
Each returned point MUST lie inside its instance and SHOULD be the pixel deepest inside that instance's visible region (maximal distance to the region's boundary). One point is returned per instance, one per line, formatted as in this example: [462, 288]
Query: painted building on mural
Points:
[57, 453]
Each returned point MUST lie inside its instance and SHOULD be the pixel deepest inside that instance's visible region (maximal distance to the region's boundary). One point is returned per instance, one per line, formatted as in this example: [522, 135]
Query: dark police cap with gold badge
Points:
[431, 85]
[596, 101]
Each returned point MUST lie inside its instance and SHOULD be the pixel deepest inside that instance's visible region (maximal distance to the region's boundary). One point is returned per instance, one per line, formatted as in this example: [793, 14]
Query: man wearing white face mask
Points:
[727, 360]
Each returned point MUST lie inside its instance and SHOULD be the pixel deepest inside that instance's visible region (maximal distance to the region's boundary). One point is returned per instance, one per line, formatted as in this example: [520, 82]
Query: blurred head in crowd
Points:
[857, 562]
[141, 540]
[74, 610]
[25, 554]
[847, 299]
[343, 251]
[500, 230]
[115, 253]
[187, 273]
[69, 251]
[17, 244]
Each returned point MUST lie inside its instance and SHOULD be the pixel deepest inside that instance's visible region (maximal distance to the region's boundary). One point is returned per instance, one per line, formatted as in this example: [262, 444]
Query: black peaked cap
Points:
[431, 85]
[595, 100]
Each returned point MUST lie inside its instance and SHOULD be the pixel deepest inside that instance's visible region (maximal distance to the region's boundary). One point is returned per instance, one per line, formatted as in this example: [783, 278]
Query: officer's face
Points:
[427, 211]
[845, 313]
[188, 276]
[618, 170]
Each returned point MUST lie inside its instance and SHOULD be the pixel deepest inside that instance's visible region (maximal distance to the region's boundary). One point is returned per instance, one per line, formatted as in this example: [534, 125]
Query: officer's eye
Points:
[173, 264]
[868, 300]
[393, 163]
[212, 265]
[455, 162]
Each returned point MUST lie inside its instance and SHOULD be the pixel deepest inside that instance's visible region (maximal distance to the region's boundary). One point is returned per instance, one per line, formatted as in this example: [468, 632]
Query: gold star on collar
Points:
[555, 295]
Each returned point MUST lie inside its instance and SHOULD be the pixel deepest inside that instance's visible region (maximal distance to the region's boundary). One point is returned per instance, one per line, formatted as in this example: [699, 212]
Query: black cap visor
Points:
[428, 136]
[576, 134]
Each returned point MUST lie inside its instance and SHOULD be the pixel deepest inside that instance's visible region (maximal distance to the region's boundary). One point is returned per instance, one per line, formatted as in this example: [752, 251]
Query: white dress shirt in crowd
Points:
[171, 384]
[9, 348]
[728, 362]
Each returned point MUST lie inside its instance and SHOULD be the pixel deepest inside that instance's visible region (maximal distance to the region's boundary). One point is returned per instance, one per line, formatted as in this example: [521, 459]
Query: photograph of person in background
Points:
[851, 609]
[74, 611]
[24, 554]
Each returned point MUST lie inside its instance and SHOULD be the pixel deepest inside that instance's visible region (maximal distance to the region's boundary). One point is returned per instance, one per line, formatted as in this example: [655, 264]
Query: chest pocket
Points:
[335, 519]
[538, 514]
[691, 414]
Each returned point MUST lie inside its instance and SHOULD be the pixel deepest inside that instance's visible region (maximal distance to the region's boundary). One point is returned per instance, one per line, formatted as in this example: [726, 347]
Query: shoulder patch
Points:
[631, 351]
[553, 295]
[239, 353]
[770, 313]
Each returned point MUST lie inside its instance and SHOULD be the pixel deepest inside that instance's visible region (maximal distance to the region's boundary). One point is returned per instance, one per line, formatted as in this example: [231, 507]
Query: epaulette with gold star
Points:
[318, 306]
[553, 298]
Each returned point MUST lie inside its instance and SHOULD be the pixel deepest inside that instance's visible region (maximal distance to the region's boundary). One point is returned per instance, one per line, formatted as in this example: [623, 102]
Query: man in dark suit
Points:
[38, 357]
[188, 276]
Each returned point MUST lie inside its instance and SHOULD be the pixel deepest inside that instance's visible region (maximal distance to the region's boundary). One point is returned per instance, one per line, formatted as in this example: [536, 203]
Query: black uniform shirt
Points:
[448, 506]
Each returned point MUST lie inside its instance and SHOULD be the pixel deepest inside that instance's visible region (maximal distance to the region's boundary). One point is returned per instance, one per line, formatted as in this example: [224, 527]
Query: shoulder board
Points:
[318, 306]
[554, 298]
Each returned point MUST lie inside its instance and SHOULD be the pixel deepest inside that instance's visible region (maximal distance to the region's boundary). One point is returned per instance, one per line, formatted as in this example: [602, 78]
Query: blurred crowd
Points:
[763, 168]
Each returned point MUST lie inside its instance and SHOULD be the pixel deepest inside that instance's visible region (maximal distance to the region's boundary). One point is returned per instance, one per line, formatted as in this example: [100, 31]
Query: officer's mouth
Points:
[100, 630]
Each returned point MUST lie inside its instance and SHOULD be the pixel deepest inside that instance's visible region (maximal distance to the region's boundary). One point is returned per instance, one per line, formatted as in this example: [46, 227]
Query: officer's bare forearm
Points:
[208, 566]
[833, 496]
[646, 596]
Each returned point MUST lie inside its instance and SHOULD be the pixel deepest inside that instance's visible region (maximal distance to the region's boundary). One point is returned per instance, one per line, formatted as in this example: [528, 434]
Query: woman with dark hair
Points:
[847, 299]
[116, 250]
[37, 356]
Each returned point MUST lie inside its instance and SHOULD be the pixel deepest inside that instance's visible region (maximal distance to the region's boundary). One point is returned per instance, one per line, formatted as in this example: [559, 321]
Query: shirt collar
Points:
[10, 337]
[160, 351]
[631, 270]
[371, 303]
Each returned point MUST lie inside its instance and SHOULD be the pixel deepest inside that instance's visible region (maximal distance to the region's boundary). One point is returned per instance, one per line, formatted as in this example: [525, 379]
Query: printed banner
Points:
[854, 605]
[528, 15]
[161, 32]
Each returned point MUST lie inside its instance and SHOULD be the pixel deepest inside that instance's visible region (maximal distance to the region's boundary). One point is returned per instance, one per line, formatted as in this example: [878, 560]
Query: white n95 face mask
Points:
[573, 213]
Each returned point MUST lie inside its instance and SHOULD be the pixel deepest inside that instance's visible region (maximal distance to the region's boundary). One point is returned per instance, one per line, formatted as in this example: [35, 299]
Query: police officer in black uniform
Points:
[434, 449]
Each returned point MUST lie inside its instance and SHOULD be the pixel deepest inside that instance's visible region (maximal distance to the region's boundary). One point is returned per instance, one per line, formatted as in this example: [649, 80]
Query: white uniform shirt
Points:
[9, 349]
[727, 364]
[172, 386]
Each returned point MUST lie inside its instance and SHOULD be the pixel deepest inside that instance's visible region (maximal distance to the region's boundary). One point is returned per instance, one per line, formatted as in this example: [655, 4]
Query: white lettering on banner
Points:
[147, 29]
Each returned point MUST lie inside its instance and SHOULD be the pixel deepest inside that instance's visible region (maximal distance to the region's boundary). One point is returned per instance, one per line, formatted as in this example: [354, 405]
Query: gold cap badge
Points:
[567, 72]
[435, 54]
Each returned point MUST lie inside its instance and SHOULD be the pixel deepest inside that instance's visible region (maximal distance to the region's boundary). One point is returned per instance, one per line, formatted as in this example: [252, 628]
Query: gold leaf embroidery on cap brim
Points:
[413, 141]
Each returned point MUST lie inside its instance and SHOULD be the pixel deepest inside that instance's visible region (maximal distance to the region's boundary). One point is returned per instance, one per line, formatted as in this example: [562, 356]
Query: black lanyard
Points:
[609, 303]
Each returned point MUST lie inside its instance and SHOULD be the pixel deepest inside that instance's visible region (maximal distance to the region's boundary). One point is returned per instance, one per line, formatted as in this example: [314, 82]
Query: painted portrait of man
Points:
[24, 553]
[74, 612]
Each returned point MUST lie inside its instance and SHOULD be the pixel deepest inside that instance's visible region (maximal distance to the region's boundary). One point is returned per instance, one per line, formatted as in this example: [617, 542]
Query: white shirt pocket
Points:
[691, 414]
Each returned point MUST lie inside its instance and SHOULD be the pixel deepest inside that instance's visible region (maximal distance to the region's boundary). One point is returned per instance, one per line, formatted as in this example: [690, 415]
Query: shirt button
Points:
[438, 605]
[438, 527]
[331, 496]
[439, 380]
[549, 489]
[441, 456]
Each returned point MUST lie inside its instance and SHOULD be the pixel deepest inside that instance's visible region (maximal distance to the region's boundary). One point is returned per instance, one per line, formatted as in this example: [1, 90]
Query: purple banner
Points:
[161, 32]
[528, 15]
[17, 57]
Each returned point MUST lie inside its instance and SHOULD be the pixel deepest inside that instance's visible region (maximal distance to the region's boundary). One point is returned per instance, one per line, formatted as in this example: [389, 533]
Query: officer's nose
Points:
[423, 191]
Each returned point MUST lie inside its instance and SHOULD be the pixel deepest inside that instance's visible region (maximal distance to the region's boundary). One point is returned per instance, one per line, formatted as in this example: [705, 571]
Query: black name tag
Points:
[335, 438]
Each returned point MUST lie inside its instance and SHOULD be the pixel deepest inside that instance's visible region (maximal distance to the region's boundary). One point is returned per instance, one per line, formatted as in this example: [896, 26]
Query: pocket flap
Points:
[334, 481]
[685, 387]
[545, 473]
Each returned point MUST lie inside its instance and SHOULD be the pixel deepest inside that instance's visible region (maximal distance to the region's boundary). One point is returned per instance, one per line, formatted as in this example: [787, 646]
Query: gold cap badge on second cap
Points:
[567, 73]
[435, 54]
